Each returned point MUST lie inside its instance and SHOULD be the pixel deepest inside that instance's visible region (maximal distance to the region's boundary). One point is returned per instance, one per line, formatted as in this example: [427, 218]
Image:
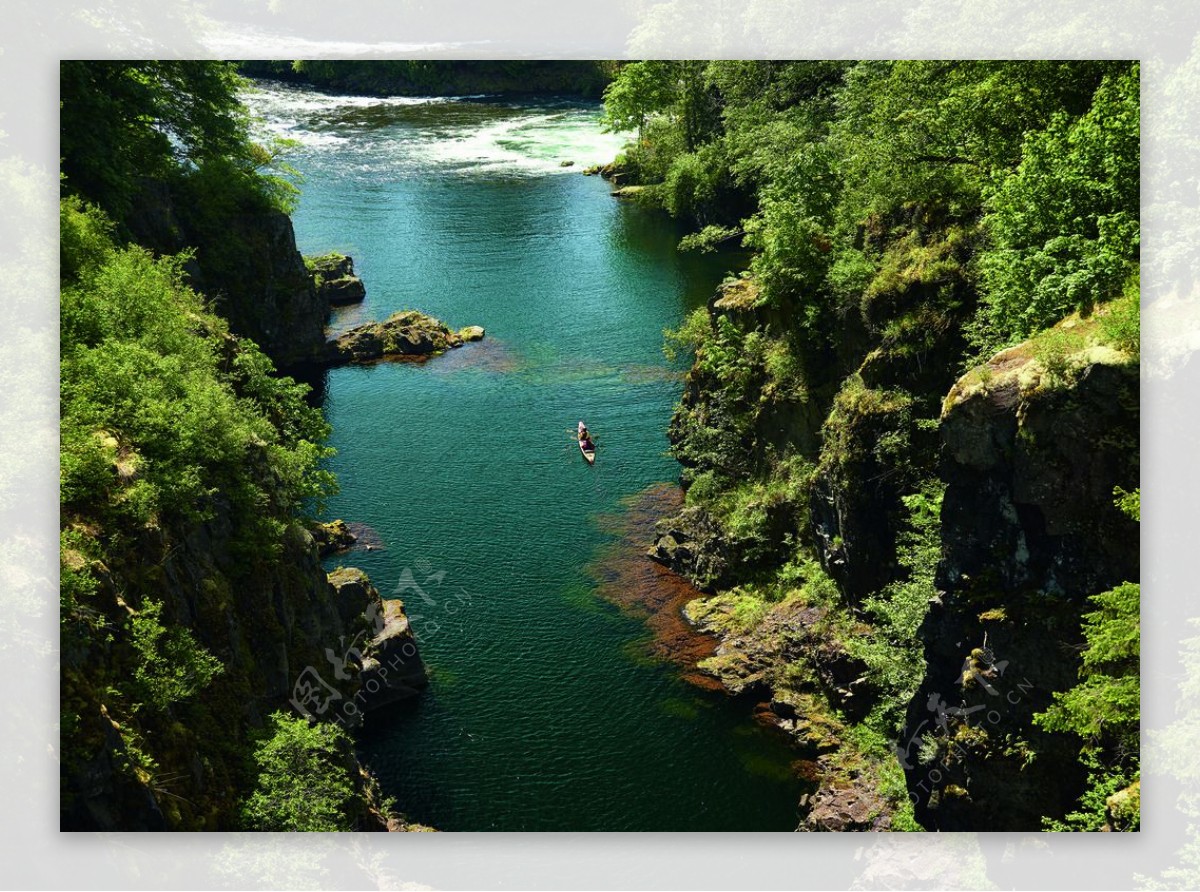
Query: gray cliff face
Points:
[1030, 531]
[272, 300]
[249, 266]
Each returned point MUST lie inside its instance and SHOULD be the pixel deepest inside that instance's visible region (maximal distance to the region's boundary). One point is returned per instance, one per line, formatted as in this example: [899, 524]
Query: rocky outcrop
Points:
[692, 544]
[391, 668]
[247, 263]
[407, 334]
[287, 637]
[332, 537]
[812, 707]
[1033, 452]
[269, 295]
[789, 631]
[849, 806]
[873, 453]
[334, 279]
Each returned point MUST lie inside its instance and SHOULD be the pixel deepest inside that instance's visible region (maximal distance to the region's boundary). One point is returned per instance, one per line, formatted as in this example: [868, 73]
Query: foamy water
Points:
[469, 134]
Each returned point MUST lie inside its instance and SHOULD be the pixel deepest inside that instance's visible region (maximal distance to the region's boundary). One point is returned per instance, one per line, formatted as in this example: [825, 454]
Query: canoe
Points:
[589, 454]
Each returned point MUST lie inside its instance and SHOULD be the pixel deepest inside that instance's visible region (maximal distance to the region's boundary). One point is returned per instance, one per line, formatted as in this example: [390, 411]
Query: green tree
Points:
[124, 120]
[171, 666]
[302, 782]
[1064, 227]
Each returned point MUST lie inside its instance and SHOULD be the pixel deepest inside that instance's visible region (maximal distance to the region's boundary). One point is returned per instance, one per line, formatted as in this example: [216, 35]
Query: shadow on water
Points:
[317, 379]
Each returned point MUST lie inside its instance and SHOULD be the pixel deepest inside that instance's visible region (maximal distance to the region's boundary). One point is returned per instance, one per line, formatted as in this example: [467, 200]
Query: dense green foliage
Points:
[162, 410]
[440, 77]
[302, 781]
[816, 161]
[186, 460]
[1064, 226]
[167, 421]
[905, 220]
[126, 122]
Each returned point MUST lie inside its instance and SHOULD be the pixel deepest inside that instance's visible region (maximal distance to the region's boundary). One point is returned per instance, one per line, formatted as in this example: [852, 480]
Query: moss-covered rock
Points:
[332, 537]
[334, 279]
[407, 333]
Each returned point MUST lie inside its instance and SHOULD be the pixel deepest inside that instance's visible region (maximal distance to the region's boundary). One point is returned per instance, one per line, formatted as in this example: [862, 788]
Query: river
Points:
[546, 710]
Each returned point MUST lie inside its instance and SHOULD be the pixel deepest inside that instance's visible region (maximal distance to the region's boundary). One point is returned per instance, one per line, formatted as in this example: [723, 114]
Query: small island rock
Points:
[405, 334]
[334, 278]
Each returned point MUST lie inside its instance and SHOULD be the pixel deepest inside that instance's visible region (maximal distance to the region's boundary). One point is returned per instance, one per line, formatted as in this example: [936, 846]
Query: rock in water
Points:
[391, 668]
[407, 333]
[334, 279]
[471, 333]
[690, 543]
[332, 537]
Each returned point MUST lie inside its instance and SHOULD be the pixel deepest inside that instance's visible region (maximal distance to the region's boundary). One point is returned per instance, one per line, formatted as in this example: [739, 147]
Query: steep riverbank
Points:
[212, 669]
[872, 527]
[1029, 530]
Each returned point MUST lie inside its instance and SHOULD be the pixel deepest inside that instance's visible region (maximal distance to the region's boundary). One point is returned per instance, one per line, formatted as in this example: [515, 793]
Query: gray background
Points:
[37, 33]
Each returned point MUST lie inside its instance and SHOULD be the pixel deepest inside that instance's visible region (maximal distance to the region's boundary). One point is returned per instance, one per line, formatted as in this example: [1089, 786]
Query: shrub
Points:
[171, 666]
[303, 783]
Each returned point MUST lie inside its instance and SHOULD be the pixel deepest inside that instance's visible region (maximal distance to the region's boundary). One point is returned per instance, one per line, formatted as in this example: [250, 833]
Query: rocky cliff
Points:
[247, 263]
[1035, 440]
[821, 573]
[285, 636]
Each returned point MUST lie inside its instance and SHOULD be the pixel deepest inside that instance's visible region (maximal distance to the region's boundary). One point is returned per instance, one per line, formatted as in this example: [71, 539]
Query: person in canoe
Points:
[586, 444]
[585, 438]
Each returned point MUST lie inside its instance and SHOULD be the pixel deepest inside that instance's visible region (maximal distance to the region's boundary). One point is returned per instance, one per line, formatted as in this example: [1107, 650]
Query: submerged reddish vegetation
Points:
[628, 578]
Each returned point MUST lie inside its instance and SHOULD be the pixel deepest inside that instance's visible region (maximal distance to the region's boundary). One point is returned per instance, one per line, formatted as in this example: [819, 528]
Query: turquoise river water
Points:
[544, 710]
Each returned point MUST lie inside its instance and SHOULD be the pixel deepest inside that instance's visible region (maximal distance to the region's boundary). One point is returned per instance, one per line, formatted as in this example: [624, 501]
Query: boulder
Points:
[392, 668]
[334, 279]
[352, 594]
[471, 333]
[691, 544]
[856, 806]
[332, 537]
[341, 292]
[405, 334]
[390, 665]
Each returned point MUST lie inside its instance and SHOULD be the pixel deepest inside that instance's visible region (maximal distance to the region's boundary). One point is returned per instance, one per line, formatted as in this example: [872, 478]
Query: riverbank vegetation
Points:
[433, 77]
[186, 465]
[906, 221]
